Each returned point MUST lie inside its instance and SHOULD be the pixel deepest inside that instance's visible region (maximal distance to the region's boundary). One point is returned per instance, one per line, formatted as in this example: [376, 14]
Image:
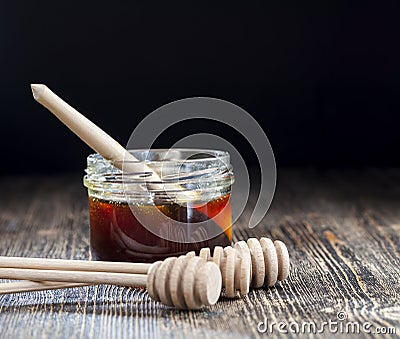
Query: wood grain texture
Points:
[342, 230]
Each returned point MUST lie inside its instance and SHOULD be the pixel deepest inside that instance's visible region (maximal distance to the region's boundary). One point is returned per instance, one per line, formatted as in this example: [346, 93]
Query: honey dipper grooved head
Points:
[270, 261]
[244, 269]
[184, 282]
[283, 259]
[257, 262]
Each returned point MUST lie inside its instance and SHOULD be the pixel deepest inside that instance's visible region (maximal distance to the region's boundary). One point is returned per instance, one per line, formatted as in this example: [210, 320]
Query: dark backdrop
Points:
[323, 80]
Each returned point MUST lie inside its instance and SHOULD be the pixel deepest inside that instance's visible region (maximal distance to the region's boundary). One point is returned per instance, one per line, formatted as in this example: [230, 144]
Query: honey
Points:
[116, 234]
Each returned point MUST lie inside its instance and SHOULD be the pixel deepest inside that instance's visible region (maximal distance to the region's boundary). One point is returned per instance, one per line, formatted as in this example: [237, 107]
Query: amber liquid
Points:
[117, 235]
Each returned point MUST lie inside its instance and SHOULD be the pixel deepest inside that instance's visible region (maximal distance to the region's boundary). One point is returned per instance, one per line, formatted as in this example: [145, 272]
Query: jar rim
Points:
[212, 154]
[208, 172]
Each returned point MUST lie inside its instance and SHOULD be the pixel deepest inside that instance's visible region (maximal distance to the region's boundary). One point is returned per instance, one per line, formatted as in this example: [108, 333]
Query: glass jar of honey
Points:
[187, 209]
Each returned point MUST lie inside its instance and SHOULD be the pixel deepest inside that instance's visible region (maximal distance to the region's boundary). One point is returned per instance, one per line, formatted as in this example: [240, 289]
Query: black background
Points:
[322, 79]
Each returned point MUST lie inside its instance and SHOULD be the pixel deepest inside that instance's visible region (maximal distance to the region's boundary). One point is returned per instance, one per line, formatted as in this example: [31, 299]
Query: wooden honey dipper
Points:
[253, 263]
[184, 282]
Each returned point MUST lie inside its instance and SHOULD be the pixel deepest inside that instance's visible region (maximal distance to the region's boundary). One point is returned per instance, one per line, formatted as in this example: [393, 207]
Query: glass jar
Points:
[135, 220]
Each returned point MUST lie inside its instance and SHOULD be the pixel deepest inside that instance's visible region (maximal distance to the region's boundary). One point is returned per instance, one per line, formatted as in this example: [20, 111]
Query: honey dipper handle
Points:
[90, 133]
[123, 279]
[73, 265]
[33, 286]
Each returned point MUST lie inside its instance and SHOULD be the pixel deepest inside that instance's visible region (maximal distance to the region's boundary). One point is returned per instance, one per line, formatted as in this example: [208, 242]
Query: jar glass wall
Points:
[134, 219]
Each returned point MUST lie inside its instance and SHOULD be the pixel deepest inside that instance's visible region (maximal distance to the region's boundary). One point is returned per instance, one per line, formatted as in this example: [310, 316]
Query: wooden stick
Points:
[91, 134]
[123, 279]
[33, 286]
[61, 264]
[74, 265]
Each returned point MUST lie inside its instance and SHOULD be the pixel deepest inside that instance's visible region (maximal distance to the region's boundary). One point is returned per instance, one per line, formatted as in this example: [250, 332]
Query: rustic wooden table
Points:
[342, 229]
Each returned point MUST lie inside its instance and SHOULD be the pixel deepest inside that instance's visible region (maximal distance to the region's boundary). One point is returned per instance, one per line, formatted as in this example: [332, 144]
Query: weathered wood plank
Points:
[342, 229]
